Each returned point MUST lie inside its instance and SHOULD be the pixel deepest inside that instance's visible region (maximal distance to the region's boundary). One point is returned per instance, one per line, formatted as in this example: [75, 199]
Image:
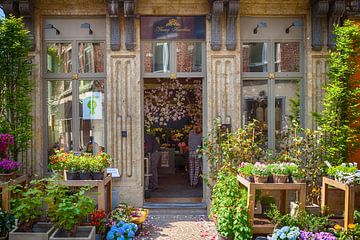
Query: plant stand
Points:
[83, 233]
[283, 187]
[100, 185]
[5, 194]
[349, 190]
[41, 231]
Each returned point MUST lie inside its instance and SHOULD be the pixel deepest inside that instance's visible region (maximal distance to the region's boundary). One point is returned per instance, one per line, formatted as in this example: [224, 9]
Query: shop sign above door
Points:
[173, 27]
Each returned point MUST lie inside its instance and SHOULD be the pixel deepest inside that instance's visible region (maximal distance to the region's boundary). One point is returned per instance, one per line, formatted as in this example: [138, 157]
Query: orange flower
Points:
[351, 226]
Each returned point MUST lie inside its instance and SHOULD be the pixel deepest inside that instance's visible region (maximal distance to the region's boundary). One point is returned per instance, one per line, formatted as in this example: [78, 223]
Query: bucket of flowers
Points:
[98, 220]
[138, 215]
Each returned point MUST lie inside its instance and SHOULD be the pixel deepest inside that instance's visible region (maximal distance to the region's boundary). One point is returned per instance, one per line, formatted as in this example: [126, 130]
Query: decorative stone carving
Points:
[129, 8]
[217, 9]
[337, 8]
[24, 8]
[319, 10]
[113, 10]
[231, 24]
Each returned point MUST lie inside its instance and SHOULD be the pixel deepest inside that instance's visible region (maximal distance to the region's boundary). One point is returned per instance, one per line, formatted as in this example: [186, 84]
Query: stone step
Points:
[190, 209]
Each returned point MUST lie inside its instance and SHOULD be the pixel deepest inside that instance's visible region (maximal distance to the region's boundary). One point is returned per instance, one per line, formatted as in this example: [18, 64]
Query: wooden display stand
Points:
[5, 194]
[349, 190]
[100, 185]
[283, 187]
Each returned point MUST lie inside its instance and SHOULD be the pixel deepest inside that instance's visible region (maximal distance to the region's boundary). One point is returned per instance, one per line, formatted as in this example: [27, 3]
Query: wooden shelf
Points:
[267, 227]
[6, 195]
[349, 190]
[100, 185]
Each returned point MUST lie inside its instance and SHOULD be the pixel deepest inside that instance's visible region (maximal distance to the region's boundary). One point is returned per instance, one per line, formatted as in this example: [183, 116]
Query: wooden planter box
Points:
[83, 233]
[41, 231]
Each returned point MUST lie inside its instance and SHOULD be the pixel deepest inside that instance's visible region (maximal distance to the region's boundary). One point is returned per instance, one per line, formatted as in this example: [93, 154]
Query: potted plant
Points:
[72, 168]
[8, 169]
[298, 175]
[245, 170]
[7, 223]
[58, 161]
[122, 230]
[98, 166]
[98, 220]
[67, 210]
[280, 172]
[260, 172]
[28, 209]
[84, 163]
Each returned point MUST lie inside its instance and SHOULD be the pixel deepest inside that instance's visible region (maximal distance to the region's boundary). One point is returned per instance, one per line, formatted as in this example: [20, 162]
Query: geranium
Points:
[123, 231]
[8, 166]
[98, 219]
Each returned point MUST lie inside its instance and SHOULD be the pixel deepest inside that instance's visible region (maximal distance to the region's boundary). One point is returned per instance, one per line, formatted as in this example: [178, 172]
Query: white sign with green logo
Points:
[92, 106]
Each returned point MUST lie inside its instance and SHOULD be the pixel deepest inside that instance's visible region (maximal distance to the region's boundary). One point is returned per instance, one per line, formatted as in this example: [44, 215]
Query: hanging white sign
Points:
[92, 106]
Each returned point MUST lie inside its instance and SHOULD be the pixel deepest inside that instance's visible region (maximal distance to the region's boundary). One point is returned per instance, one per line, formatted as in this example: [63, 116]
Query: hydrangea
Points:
[122, 231]
[286, 233]
[8, 166]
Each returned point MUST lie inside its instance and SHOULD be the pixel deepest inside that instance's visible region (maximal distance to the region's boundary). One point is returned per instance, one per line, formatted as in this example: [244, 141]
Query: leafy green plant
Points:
[357, 216]
[7, 223]
[246, 169]
[28, 204]
[228, 207]
[15, 83]
[67, 209]
[340, 115]
[261, 170]
[352, 233]
[279, 169]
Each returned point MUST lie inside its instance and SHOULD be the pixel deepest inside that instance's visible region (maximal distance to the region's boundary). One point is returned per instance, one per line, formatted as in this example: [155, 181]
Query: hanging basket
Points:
[280, 178]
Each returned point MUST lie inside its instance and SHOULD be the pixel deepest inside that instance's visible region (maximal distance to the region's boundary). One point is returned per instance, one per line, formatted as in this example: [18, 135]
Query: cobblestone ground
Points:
[175, 227]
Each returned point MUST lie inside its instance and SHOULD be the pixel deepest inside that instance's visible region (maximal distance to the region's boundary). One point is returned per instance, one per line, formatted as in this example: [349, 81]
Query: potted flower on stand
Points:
[245, 170]
[280, 172]
[8, 169]
[260, 172]
[28, 209]
[84, 167]
[7, 223]
[67, 210]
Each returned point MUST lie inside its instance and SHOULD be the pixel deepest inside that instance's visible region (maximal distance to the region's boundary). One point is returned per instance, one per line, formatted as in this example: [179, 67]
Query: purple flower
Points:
[325, 236]
[7, 166]
[304, 235]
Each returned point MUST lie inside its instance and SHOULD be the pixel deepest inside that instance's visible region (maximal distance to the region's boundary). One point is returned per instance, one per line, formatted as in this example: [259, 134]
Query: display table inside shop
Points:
[5, 194]
[349, 191]
[267, 227]
[101, 185]
[167, 161]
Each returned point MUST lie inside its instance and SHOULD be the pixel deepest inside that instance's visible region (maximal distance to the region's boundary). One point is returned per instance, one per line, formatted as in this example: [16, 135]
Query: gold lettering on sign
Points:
[172, 26]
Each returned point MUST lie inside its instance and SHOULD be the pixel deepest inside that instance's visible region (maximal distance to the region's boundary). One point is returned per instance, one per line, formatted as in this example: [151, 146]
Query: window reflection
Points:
[91, 57]
[189, 56]
[157, 57]
[91, 110]
[60, 115]
[255, 57]
[59, 57]
[287, 57]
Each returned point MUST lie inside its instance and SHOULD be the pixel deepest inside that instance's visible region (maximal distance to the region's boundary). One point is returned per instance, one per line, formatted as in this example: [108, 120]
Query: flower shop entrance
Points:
[172, 108]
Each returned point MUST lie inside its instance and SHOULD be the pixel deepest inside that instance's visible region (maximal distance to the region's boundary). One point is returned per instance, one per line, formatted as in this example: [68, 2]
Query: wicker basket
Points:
[280, 178]
[260, 179]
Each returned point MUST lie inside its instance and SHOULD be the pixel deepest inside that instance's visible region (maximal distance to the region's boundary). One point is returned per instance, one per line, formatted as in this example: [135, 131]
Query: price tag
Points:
[113, 171]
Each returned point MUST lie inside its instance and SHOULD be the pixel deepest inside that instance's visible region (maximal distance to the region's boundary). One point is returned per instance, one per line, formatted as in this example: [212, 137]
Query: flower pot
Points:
[82, 233]
[98, 175]
[280, 178]
[72, 175]
[41, 231]
[85, 176]
[260, 179]
[5, 237]
[298, 180]
[7, 176]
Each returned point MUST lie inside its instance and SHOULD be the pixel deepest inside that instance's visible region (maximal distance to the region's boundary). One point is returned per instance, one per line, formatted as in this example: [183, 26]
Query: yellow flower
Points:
[337, 227]
[351, 226]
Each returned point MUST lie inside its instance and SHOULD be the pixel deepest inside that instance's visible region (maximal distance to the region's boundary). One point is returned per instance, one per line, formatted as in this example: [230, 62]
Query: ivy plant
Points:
[15, 83]
[339, 119]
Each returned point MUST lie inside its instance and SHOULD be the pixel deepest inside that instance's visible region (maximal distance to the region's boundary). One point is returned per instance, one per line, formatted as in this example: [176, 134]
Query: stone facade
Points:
[125, 85]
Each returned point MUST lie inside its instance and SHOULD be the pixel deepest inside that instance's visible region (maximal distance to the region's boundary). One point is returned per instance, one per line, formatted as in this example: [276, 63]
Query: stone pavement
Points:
[178, 227]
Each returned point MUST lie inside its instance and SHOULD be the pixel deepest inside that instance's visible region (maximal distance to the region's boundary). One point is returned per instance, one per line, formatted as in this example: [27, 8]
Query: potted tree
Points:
[7, 223]
[67, 210]
[28, 208]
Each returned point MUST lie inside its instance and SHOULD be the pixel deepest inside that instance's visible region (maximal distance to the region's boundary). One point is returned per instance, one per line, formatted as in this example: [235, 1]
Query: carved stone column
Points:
[113, 10]
[337, 8]
[231, 24]
[319, 10]
[129, 8]
[217, 9]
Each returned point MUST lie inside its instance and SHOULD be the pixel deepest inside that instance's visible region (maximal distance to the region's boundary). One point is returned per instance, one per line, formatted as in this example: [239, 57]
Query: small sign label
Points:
[113, 171]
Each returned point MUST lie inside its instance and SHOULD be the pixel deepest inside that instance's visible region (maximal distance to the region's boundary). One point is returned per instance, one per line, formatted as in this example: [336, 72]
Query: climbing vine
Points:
[339, 119]
[15, 83]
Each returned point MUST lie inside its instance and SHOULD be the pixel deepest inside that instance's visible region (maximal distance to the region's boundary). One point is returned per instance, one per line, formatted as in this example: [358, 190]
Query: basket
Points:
[260, 179]
[280, 178]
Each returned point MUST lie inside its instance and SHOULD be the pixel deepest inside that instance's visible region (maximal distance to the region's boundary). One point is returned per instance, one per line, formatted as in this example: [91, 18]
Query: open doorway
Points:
[172, 112]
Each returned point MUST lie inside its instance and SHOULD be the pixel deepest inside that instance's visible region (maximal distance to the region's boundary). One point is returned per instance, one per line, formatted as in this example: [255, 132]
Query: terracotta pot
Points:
[260, 179]
[7, 176]
[280, 178]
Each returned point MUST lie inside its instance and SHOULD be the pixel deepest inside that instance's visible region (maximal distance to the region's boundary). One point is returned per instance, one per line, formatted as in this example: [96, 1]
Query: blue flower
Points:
[110, 235]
